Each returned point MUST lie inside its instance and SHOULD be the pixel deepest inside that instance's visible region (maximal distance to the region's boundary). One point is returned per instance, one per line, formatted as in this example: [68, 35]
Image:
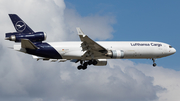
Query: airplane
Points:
[86, 51]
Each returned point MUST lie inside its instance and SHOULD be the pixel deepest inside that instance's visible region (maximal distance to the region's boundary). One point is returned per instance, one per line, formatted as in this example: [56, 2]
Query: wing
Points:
[92, 48]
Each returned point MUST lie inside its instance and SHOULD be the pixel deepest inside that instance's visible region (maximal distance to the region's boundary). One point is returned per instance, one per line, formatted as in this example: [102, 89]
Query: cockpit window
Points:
[170, 46]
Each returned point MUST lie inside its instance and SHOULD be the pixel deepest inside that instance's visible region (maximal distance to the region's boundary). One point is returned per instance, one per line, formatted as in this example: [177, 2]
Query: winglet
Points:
[88, 43]
[80, 32]
[25, 43]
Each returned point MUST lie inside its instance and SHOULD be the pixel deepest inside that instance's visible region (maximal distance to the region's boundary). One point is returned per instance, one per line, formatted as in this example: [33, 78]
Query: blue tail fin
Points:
[19, 24]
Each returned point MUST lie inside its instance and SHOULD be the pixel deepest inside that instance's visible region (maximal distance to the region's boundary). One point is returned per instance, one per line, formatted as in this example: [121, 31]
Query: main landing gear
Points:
[85, 64]
[154, 64]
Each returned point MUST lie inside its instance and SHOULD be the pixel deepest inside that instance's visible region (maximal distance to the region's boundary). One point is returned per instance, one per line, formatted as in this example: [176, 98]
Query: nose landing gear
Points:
[154, 64]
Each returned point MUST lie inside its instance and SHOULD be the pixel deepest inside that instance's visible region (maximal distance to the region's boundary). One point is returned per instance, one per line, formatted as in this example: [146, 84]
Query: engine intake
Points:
[115, 53]
[34, 37]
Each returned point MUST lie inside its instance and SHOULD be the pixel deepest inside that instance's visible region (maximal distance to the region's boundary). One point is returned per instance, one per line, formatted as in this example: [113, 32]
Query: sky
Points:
[24, 79]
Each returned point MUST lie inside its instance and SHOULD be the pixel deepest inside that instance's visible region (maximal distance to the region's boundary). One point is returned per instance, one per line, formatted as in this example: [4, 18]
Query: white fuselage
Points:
[86, 51]
[131, 49]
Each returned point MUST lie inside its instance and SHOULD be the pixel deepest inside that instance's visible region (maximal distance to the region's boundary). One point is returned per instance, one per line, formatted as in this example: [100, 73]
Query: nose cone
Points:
[173, 50]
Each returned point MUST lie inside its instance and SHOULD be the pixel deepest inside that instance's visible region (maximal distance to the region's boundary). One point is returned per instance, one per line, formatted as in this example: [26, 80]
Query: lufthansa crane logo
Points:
[20, 26]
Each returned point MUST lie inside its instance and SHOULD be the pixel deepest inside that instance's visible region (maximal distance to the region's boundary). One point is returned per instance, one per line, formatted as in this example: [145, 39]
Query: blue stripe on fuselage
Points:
[45, 50]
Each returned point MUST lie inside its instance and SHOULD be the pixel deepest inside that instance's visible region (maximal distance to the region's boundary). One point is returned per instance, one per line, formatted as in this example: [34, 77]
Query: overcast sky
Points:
[24, 79]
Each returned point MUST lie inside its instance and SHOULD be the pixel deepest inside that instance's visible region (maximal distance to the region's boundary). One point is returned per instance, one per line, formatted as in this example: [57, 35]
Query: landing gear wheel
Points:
[84, 66]
[90, 62]
[94, 62]
[79, 67]
[154, 64]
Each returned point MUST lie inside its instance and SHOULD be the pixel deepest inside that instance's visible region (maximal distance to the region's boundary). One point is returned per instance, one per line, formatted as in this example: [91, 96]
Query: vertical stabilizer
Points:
[19, 24]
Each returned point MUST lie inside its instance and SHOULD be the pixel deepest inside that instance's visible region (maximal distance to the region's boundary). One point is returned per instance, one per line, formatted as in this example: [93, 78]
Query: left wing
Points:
[92, 48]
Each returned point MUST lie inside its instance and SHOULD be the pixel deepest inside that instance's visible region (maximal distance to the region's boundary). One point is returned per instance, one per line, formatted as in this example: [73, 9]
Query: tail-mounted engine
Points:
[33, 37]
[115, 53]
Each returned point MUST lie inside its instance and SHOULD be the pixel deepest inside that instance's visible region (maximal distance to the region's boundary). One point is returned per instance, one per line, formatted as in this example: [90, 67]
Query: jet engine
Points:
[33, 37]
[101, 62]
[115, 53]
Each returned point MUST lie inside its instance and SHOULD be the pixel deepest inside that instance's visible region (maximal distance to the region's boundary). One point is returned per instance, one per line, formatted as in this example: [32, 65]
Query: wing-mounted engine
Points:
[115, 53]
[33, 37]
[101, 62]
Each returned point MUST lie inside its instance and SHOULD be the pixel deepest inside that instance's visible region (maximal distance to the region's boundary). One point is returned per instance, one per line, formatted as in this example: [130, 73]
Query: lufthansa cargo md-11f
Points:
[86, 51]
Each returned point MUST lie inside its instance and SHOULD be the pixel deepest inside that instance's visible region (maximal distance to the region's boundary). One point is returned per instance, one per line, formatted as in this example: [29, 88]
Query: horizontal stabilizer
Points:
[48, 59]
[25, 43]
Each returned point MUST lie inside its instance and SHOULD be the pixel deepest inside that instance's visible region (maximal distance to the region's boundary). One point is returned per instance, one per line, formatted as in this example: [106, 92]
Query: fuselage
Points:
[130, 49]
[86, 51]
